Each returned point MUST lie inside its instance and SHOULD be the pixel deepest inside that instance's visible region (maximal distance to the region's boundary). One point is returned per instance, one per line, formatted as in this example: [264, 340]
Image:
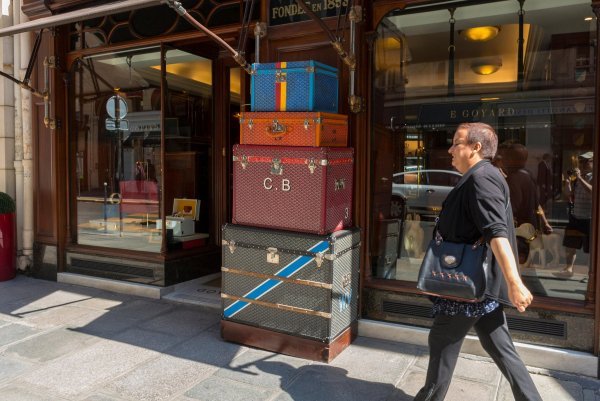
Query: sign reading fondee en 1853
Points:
[286, 11]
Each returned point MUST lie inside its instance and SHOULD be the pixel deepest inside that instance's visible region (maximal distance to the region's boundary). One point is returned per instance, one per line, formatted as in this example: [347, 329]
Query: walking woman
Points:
[479, 206]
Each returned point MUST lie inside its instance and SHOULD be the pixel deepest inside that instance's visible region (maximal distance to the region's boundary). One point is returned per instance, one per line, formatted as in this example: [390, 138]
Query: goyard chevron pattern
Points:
[300, 284]
[303, 189]
[294, 86]
[293, 129]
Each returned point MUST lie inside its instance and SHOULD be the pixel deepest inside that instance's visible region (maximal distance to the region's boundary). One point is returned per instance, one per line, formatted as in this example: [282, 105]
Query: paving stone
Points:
[467, 390]
[13, 393]
[325, 383]
[410, 384]
[11, 368]
[55, 317]
[549, 388]
[51, 345]
[79, 373]
[262, 368]
[182, 321]
[102, 324]
[380, 361]
[470, 367]
[460, 389]
[160, 378]
[15, 332]
[216, 389]
[54, 299]
[140, 309]
[21, 291]
[479, 369]
[106, 301]
[147, 339]
[208, 348]
[102, 397]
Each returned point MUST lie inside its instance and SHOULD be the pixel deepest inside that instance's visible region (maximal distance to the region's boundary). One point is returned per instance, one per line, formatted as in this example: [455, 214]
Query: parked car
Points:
[421, 192]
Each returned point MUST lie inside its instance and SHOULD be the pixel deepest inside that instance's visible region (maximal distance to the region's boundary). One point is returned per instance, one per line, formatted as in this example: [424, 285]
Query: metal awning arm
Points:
[22, 84]
[348, 59]
[25, 82]
[238, 57]
[33, 58]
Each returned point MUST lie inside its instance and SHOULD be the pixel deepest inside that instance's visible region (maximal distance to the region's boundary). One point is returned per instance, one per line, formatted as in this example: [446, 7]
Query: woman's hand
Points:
[520, 296]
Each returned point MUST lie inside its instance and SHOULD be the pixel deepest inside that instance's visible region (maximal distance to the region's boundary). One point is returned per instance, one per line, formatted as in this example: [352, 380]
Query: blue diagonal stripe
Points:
[287, 271]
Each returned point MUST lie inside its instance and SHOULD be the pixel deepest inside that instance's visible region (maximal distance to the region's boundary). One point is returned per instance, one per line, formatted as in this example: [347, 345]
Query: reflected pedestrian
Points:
[544, 180]
[577, 232]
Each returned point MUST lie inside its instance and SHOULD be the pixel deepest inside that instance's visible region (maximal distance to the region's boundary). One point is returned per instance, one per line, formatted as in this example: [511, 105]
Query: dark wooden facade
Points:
[298, 41]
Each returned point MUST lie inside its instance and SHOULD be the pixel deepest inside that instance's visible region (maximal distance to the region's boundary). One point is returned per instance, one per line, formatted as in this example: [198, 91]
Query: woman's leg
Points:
[445, 339]
[495, 339]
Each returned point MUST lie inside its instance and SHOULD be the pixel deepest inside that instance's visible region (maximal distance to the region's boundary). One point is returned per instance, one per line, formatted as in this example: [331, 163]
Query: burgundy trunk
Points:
[305, 189]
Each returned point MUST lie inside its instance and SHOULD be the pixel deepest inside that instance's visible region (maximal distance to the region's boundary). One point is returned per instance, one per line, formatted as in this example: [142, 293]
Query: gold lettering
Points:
[452, 113]
[465, 113]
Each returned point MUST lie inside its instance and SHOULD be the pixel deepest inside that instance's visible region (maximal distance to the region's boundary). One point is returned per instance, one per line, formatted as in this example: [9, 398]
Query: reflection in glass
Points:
[542, 109]
[117, 140]
[188, 139]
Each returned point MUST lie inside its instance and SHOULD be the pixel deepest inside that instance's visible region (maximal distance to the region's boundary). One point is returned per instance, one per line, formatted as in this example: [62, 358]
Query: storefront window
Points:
[434, 68]
[188, 143]
[118, 150]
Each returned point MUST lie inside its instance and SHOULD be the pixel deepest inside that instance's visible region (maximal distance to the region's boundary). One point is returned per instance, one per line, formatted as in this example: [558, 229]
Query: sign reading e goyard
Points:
[286, 11]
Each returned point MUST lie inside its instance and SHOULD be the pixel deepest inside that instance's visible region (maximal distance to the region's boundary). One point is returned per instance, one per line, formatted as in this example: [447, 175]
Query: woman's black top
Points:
[479, 206]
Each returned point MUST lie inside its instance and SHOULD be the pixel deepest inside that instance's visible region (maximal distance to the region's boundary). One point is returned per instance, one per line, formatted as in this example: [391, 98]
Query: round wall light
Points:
[487, 66]
[480, 33]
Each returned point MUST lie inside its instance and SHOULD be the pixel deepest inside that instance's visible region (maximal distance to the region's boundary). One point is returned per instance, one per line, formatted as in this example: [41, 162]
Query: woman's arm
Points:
[518, 294]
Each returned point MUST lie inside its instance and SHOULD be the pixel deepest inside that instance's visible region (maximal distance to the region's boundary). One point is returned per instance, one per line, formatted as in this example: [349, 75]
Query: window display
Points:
[121, 182]
[533, 81]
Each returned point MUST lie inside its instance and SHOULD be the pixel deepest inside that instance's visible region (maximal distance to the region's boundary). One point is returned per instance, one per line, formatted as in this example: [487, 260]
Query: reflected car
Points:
[421, 191]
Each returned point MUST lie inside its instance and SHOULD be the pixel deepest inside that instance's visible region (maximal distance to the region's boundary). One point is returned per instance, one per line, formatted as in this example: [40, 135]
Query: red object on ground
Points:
[8, 247]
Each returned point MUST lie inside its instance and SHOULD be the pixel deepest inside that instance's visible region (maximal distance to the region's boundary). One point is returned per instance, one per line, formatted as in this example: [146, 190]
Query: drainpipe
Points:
[26, 259]
[16, 10]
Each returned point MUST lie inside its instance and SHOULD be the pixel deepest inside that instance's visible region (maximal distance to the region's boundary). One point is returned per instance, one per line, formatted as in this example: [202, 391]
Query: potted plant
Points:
[8, 238]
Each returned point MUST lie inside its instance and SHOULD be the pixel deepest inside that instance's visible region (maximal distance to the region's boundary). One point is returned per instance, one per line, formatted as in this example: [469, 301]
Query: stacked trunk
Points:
[291, 258]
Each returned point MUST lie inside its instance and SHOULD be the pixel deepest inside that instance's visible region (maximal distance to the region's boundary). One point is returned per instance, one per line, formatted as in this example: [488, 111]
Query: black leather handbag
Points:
[454, 270]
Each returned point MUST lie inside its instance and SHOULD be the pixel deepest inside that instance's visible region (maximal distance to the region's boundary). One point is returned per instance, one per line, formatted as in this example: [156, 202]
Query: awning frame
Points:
[79, 15]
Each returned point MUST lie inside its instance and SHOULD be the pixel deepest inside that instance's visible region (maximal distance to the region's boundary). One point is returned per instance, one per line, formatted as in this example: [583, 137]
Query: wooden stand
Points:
[287, 344]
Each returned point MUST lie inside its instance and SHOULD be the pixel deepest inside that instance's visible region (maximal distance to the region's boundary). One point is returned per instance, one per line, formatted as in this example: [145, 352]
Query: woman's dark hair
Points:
[484, 134]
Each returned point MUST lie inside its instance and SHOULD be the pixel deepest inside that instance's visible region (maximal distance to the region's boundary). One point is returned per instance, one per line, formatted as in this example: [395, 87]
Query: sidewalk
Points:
[65, 342]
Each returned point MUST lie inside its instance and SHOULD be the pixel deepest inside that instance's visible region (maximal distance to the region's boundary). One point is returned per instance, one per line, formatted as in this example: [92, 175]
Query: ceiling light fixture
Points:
[486, 67]
[480, 33]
